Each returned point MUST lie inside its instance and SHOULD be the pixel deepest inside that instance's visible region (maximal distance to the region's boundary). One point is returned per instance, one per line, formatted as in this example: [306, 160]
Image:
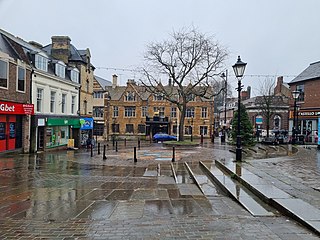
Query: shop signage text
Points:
[16, 108]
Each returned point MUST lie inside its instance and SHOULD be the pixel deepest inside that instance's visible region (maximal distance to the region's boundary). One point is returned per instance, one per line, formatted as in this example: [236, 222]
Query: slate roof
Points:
[311, 72]
[103, 82]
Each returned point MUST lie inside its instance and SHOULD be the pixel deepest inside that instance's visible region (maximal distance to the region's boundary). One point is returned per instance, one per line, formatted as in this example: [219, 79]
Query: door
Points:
[40, 138]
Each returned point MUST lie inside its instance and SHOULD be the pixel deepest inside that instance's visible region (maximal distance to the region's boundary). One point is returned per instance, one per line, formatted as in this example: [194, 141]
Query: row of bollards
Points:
[115, 147]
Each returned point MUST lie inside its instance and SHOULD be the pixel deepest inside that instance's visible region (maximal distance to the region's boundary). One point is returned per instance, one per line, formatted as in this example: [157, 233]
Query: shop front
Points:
[56, 132]
[14, 118]
[307, 124]
[86, 129]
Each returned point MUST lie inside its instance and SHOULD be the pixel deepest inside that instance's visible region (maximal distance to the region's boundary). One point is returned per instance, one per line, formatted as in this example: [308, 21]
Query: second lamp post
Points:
[238, 69]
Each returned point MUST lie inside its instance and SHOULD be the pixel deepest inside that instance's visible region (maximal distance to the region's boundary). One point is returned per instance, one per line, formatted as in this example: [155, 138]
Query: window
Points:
[3, 74]
[129, 128]
[73, 104]
[300, 88]
[98, 95]
[190, 112]
[129, 111]
[39, 99]
[21, 79]
[204, 130]
[141, 128]
[277, 122]
[87, 85]
[188, 130]
[60, 70]
[158, 97]
[115, 111]
[130, 97]
[52, 101]
[98, 129]
[173, 112]
[191, 97]
[98, 112]
[85, 106]
[75, 75]
[63, 102]
[144, 111]
[41, 63]
[204, 112]
[159, 110]
[115, 128]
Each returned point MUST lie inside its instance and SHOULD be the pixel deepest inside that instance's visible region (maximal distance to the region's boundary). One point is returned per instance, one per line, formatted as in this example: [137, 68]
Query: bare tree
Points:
[191, 61]
[267, 102]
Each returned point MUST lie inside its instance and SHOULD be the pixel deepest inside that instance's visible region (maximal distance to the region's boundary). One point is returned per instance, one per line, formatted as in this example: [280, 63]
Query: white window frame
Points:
[129, 112]
[7, 73]
[63, 102]
[74, 75]
[60, 69]
[24, 78]
[53, 95]
[204, 112]
[144, 111]
[40, 96]
[41, 62]
[115, 111]
[73, 104]
[173, 112]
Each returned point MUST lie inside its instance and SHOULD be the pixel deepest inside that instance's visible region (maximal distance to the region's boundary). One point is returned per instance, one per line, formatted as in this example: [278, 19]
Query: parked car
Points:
[160, 137]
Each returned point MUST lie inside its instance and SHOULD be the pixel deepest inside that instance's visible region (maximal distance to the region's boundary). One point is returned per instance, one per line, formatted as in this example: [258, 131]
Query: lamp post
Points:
[223, 136]
[238, 69]
[295, 95]
[192, 128]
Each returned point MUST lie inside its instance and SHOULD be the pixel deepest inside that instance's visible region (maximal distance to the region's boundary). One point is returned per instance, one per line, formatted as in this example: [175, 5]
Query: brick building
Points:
[308, 84]
[131, 111]
[15, 106]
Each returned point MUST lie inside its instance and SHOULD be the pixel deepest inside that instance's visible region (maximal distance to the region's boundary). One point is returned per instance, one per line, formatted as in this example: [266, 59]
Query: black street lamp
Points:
[238, 69]
[225, 77]
[295, 95]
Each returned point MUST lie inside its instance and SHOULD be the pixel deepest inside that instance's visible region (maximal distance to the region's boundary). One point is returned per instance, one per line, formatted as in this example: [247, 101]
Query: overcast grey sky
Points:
[275, 37]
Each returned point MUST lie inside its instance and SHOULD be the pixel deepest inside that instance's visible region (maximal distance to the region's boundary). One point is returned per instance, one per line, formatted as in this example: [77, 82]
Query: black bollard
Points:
[173, 154]
[125, 142]
[135, 154]
[91, 150]
[191, 137]
[139, 143]
[104, 153]
[98, 148]
[113, 141]
[116, 146]
[201, 138]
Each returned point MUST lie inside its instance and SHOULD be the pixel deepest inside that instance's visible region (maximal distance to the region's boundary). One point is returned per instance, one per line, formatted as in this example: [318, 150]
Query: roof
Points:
[103, 82]
[311, 72]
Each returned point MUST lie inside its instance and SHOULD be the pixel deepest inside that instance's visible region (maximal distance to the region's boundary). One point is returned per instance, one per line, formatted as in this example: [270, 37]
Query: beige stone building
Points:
[131, 111]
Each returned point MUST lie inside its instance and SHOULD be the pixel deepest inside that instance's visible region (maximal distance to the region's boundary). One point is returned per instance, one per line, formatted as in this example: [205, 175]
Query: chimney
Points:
[170, 81]
[114, 80]
[60, 48]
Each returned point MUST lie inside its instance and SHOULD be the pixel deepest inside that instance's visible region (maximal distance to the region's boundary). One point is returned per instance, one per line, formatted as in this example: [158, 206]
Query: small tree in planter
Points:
[246, 129]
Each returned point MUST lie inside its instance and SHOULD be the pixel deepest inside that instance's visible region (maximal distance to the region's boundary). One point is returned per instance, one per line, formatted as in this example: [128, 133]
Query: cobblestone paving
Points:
[69, 195]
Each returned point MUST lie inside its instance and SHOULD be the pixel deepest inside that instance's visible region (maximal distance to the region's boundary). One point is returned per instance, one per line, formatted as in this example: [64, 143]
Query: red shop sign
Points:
[16, 108]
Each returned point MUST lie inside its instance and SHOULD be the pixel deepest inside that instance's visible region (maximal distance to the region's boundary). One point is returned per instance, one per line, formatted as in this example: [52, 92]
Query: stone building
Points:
[308, 110]
[131, 111]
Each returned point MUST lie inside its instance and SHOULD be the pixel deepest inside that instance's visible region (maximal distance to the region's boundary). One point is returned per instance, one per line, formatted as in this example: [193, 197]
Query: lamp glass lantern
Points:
[239, 68]
[295, 94]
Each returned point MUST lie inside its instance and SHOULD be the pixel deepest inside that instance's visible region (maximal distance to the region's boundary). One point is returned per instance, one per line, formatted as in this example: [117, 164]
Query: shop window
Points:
[12, 130]
[63, 134]
[21, 79]
[2, 130]
[141, 128]
[129, 128]
[3, 74]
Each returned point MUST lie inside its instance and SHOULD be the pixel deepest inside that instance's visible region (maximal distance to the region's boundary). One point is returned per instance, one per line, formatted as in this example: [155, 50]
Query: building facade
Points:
[15, 106]
[131, 111]
[308, 106]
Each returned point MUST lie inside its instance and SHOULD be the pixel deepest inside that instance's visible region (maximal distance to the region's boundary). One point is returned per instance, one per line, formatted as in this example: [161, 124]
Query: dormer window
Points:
[130, 97]
[75, 75]
[158, 97]
[60, 69]
[41, 62]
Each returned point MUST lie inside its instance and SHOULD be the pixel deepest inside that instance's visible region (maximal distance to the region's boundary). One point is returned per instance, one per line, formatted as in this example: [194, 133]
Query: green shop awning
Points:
[75, 123]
